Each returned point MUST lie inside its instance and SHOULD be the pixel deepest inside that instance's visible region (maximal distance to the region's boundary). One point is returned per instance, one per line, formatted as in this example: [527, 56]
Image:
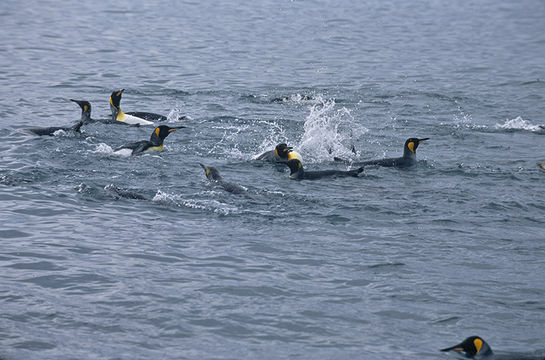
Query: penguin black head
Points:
[412, 144]
[161, 132]
[470, 347]
[85, 105]
[211, 172]
[115, 98]
[282, 150]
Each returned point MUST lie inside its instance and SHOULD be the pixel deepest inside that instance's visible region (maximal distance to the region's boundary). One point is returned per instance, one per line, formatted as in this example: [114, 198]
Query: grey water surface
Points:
[113, 257]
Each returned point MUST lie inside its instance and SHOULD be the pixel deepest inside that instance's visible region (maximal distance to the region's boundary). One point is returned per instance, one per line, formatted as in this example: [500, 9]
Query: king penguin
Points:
[407, 160]
[155, 142]
[214, 176]
[85, 117]
[298, 173]
[281, 154]
[474, 347]
[131, 118]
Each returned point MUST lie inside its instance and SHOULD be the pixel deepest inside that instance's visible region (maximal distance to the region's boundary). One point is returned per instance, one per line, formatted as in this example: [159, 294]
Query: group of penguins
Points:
[473, 347]
[281, 154]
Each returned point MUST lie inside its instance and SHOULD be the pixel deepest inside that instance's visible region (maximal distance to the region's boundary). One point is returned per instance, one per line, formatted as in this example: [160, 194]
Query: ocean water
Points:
[116, 257]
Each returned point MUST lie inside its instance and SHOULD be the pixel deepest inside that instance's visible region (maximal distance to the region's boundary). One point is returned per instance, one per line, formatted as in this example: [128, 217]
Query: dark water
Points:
[112, 257]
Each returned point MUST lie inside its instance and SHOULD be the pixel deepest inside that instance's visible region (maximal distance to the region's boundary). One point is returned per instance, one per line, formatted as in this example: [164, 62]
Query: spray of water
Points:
[328, 132]
[519, 123]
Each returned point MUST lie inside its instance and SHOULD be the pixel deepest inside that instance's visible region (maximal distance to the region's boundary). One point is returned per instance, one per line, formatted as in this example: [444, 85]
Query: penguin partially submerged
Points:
[214, 176]
[407, 160]
[474, 347]
[281, 154]
[131, 118]
[85, 117]
[155, 143]
[298, 172]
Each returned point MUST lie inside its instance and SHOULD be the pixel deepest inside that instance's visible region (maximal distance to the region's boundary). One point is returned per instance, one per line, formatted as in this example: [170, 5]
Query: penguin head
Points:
[282, 150]
[412, 144]
[161, 132]
[115, 98]
[85, 109]
[471, 347]
[84, 105]
[211, 172]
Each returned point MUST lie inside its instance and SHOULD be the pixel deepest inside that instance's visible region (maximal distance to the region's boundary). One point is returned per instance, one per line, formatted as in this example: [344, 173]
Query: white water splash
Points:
[519, 123]
[103, 149]
[329, 132]
[201, 204]
[175, 115]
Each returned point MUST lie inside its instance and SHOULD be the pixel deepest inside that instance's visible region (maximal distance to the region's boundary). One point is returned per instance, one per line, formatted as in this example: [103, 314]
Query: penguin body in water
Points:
[281, 154]
[407, 160]
[298, 173]
[155, 143]
[214, 176]
[474, 347]
[52, 130]
[131, 118]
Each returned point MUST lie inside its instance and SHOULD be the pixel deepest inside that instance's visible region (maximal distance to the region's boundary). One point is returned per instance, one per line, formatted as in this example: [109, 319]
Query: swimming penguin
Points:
[281, 154]
[298, 173]
[85, 114]
[213, 175]
[155, 142]
[408, 159]
[131, 118]
[474, 347]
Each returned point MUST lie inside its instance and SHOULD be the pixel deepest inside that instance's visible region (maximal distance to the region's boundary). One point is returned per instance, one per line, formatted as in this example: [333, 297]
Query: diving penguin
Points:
[474, 347]
[407, 160]
[281, 154]
[131, 118]
[155, 142]
[213, 175]
[298, 173]
[85, 116]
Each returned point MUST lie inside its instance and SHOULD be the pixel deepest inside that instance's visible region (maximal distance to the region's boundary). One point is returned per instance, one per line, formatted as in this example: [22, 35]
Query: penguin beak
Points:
[204, 167]
[175, 128]
[421, 140]
[456, 348]
[288, 148]
[76, 101]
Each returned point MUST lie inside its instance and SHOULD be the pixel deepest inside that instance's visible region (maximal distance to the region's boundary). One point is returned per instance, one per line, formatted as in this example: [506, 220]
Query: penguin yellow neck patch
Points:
[121, 116]
[207, 171]
[411, 146]
[478, 344]
[157, 132]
